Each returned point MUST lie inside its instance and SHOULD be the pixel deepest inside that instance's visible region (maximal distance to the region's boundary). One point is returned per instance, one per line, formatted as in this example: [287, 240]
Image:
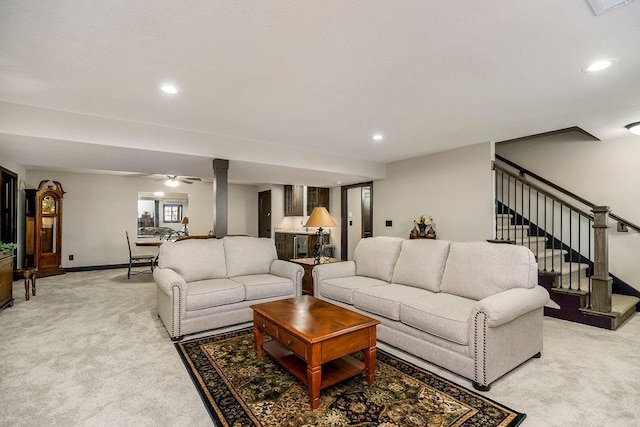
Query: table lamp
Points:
[320, 218]
[185, 222]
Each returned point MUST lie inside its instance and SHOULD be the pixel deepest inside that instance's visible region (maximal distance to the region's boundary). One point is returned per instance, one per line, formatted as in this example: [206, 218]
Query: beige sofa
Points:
[472, 308]
[208, 284]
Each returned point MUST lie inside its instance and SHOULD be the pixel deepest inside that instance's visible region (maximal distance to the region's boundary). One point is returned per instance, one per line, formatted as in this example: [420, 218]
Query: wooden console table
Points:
[308, 264]
[6, 280]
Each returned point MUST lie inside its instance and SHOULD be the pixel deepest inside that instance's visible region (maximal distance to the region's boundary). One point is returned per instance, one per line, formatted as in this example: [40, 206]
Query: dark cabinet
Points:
[293, 200]
[316, 197]
[284, 245]
[43, 229]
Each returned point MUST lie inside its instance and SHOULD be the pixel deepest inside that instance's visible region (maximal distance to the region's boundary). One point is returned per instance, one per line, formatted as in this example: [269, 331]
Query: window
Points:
[172, 213]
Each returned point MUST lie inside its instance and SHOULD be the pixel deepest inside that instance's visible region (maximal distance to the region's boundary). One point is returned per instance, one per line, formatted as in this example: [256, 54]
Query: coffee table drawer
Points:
[265, 326]
[292, 343]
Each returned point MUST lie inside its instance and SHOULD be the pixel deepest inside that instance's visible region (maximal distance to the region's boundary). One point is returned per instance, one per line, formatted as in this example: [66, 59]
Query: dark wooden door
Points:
[8, 206]
[264, 213]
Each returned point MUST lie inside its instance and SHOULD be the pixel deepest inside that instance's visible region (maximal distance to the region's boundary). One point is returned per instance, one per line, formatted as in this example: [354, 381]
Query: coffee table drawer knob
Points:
[264, 326]
[288, 342]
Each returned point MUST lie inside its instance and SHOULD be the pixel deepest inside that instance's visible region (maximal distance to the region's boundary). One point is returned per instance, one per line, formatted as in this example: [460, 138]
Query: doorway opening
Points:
[357, 216]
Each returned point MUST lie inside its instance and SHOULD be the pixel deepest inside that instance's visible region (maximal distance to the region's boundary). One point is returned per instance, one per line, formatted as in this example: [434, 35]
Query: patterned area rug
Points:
[240, 390]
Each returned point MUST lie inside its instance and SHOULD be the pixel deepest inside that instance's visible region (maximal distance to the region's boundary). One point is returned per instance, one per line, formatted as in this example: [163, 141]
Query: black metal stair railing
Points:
[559, 232]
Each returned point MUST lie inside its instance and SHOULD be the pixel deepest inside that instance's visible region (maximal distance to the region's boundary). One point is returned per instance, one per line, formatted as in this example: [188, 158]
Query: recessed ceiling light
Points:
[634, 128]
[377, 137]
[169, 89]
[598, 66]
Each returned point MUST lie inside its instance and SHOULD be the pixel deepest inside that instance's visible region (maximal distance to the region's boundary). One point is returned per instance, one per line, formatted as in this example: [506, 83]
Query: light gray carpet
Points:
[89, 349]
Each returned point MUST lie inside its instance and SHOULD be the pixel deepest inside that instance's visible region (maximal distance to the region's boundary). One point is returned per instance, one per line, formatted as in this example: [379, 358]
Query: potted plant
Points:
[7, 248]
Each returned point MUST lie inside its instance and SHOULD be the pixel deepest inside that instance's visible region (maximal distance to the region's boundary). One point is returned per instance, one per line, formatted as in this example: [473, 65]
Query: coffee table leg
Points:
[369, 363]
[258, 338]
[26, 287]
[33, 284]
[314, 378]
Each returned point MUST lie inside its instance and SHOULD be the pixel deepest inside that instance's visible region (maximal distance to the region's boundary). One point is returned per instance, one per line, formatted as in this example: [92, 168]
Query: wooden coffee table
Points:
[312, 339]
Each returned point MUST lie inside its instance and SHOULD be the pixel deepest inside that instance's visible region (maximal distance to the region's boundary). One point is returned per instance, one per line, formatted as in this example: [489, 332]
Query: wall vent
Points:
[603, 6]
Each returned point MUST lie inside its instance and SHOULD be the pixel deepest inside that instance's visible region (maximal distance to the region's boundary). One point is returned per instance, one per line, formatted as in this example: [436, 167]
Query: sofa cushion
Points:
[421, 263]
[212, 293]
[443, 315]
[259, 286]
[479, 269]
[375, 257]
[341, 289]
[385, 300]
[248, 255]
[194, 259]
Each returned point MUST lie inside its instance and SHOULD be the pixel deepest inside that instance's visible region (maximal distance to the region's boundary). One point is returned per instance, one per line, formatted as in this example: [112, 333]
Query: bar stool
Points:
[29, 274]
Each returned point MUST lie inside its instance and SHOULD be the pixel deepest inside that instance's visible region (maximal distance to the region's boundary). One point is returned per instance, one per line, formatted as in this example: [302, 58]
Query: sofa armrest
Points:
[334, 270]
[167, 278]
[506, 306]
[290, 271]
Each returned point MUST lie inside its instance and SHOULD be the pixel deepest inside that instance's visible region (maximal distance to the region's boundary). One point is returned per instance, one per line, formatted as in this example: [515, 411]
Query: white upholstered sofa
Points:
[472, 308]
[210, 283]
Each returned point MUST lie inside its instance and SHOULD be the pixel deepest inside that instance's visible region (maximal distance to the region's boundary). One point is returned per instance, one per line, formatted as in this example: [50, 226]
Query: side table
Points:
[308, 264]
[29, 275]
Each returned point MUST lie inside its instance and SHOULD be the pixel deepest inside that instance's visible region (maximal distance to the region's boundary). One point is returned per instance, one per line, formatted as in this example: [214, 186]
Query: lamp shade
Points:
[185, 220]
[320, 218]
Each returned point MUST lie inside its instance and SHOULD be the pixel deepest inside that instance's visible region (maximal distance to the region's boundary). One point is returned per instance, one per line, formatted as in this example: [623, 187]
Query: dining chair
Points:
[138, 259]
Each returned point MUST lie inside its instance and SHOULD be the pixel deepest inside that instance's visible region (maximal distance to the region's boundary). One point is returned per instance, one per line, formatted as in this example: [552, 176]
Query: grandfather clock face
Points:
[48, 205]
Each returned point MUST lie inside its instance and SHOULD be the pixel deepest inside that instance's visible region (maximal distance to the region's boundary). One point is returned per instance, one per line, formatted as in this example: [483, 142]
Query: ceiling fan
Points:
[175, 180]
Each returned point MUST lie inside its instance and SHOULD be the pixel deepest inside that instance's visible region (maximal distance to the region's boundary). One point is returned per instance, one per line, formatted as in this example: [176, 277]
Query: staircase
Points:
[568, 283]
[570, 246]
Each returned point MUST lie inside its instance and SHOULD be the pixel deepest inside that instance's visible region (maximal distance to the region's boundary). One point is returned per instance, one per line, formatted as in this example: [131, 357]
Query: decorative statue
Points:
[423, 228]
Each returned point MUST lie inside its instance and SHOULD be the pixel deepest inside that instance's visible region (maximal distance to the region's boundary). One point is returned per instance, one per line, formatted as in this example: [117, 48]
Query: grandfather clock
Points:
[43, 228]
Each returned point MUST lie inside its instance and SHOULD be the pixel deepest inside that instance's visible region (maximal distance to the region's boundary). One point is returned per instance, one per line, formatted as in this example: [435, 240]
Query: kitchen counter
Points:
[301, 232]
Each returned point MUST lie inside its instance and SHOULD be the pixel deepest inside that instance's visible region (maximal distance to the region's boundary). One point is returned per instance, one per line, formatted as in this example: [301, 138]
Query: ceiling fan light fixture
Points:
[172, 182]
[634, 128]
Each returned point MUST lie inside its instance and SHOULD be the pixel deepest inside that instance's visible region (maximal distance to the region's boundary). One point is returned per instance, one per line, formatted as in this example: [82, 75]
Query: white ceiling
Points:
[293, 91]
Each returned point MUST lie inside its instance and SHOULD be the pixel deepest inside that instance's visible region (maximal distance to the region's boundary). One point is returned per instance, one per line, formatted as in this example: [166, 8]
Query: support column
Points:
[601, 281]
[220, 197]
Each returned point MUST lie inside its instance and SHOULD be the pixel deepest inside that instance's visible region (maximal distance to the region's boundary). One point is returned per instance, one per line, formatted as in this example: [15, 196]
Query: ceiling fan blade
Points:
[185, 182]
[192, 178]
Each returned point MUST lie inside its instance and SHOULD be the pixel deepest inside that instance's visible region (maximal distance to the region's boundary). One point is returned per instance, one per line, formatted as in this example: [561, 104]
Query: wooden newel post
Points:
[600, 281]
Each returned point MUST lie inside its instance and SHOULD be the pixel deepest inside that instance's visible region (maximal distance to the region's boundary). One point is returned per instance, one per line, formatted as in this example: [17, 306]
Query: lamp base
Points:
[318, 249]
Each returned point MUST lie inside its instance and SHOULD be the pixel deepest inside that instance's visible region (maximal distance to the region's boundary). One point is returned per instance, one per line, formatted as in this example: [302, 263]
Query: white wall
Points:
[605, 173]
[243, 209]
[336, 208]
[455, 187]
[97, 209]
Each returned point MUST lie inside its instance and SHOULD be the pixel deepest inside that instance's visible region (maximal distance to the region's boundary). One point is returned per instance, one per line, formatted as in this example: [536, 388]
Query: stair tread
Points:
[526, 239]
[551, 252]
[582, 285]
[621, 303]
[566, 267]
[513, 227]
